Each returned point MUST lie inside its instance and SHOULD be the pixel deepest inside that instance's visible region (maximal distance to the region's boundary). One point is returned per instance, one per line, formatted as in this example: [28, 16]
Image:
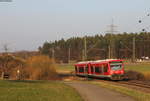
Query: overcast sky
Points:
[27, 24]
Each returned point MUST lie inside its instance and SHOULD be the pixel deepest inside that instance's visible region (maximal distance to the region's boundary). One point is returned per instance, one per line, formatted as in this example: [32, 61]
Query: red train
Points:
[109, 68]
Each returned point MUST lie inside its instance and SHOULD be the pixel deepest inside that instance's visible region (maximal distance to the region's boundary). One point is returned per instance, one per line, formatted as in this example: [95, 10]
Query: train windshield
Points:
[116, 65]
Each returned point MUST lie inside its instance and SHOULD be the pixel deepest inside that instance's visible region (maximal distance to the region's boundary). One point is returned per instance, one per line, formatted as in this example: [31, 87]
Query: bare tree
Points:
[5, 48]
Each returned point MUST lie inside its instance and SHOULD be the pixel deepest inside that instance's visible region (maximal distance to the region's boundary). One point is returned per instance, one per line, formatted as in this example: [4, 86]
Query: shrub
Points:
[40, 68]
[147, 75]
[134, 75]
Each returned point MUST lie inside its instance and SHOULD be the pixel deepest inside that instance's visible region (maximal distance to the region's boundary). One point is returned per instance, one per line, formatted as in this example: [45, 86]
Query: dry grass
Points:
[40, 68]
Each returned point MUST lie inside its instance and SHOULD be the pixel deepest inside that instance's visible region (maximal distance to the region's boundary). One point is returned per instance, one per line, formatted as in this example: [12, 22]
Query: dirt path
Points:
[91, 92]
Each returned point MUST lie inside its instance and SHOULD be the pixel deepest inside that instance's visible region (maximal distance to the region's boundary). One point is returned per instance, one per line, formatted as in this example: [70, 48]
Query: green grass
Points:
[140, 67]
[65, 67]
[37, 91]
[137, 95]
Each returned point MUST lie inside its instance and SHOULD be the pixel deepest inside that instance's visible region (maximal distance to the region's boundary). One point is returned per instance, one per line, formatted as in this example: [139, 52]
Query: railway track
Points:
[142, 84]
[135, 83]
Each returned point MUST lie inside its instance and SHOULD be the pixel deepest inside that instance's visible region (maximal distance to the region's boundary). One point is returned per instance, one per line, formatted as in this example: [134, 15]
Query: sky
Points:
[27, 24]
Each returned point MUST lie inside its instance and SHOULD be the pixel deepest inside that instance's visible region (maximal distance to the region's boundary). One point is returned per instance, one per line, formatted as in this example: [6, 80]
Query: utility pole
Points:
[69, 55]
[83, 58]
[85, 49]
[111, 52]
[53, 54]
[133, 50]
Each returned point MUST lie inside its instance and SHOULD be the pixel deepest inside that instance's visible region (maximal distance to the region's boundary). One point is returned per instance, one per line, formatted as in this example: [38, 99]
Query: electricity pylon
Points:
[111, 47]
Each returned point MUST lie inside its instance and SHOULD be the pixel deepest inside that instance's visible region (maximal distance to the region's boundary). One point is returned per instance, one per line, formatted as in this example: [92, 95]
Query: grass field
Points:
[65, 67]
[140, 67]
[37, 91]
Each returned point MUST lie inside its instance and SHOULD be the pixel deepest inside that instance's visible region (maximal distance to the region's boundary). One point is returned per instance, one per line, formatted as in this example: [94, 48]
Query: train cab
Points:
[116, 69]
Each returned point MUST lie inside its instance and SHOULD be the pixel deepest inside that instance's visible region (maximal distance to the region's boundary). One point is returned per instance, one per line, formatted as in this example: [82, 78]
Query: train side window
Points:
[92, 69]
[97, 69]
[86, 68]
[81, 69]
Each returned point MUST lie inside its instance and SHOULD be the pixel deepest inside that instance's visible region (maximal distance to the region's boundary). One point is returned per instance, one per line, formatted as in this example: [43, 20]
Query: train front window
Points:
[116, 65]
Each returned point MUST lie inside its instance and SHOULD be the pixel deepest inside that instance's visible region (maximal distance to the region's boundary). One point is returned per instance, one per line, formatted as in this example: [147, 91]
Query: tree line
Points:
[99, 47]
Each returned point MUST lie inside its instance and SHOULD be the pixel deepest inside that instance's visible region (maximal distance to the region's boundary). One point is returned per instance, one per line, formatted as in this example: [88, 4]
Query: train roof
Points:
[107, 60]
[84, 62]
[98, 61]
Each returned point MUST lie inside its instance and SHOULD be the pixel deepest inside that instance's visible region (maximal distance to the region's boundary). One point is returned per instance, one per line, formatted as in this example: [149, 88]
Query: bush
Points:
[9, 65]
[134, 75]
[40, 68]
[147, 75]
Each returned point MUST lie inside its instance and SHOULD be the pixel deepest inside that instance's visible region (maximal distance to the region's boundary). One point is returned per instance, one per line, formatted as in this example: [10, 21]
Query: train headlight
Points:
[122, 72]
[111, 72]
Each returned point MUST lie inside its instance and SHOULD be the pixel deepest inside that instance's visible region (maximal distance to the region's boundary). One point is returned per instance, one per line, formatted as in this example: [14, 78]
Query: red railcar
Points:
[109, 68]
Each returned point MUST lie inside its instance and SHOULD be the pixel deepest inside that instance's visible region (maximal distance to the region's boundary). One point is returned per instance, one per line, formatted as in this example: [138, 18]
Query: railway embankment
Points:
[92, 92]
[138, 93]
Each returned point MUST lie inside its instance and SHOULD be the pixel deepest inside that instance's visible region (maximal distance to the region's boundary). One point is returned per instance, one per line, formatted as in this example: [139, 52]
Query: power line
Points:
[142, 21]
[112, 28]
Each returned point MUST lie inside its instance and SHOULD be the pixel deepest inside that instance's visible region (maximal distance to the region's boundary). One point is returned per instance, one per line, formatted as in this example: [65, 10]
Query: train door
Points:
[105, 69]
[91, 69]
[86, 69]
[97, 70]
[102, 69]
